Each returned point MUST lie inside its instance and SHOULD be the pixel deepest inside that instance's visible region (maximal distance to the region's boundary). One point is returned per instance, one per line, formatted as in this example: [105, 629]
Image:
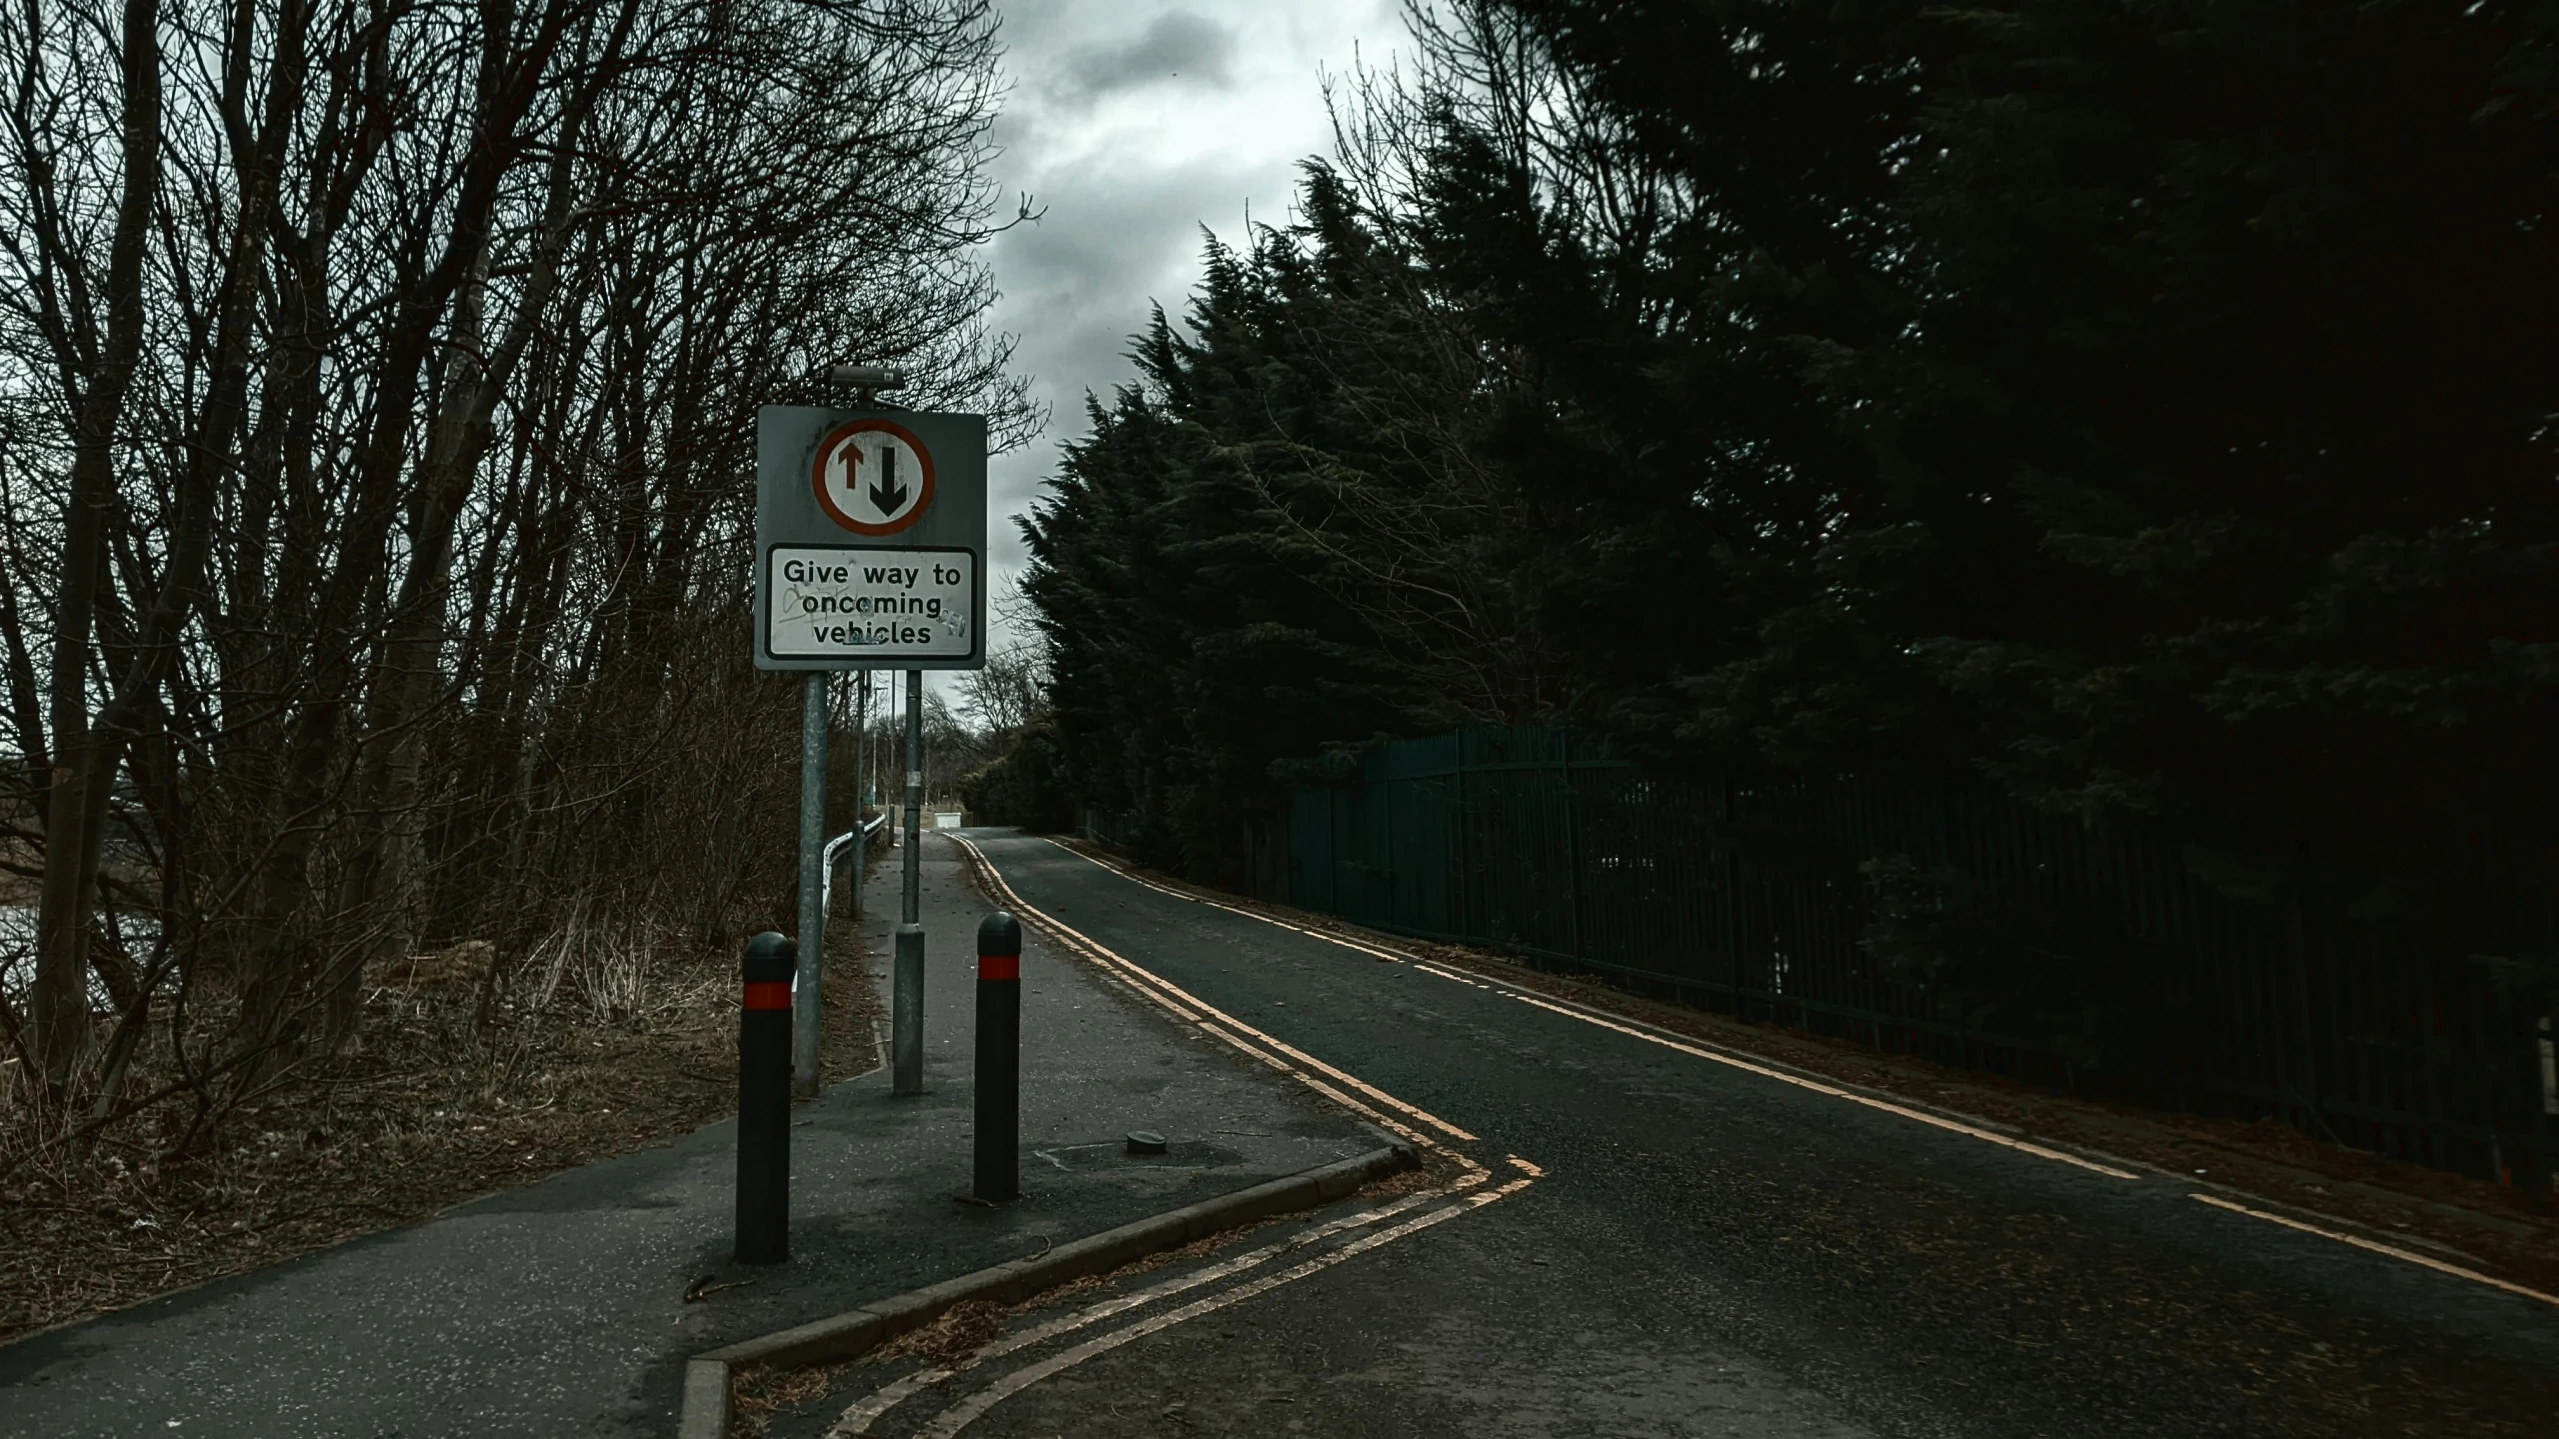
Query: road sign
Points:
[870, 539]
[873, 477]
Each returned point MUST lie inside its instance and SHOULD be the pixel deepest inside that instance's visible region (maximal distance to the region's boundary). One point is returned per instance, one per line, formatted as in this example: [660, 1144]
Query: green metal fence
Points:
[1932, 915]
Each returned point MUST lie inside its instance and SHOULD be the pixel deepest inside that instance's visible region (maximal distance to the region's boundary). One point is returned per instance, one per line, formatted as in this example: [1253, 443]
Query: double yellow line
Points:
[1405, 1120]
[1408, 1121]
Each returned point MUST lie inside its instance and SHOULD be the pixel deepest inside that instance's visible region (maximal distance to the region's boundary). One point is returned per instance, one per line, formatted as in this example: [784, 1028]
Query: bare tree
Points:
[96, 374]
[376, 384]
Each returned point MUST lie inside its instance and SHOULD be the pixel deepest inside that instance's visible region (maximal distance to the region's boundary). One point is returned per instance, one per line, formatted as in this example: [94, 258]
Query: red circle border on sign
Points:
[835, 438]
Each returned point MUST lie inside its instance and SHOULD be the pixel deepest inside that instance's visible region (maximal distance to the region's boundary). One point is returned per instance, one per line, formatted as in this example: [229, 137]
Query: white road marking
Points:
[2377, 1247]
[1835, 1092]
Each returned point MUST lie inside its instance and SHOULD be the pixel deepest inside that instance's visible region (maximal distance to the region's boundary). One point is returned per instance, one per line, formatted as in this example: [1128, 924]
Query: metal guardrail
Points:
[863, 832]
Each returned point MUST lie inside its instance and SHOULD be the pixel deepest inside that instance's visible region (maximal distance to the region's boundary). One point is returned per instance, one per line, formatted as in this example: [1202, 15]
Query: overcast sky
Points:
[1134, 126]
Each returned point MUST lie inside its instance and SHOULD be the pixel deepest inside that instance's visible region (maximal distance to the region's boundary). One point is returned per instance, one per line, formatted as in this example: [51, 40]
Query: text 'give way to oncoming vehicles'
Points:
[910, 603]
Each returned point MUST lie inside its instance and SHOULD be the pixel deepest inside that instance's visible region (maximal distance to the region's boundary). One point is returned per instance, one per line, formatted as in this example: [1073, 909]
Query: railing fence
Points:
[1935, 916]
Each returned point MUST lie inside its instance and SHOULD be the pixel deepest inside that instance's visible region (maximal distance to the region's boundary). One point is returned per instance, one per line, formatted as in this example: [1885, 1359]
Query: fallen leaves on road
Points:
[758, 1392]
[956, 1334]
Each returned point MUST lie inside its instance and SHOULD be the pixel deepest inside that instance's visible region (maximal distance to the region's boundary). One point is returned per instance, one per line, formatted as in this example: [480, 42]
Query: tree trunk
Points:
[84, 762]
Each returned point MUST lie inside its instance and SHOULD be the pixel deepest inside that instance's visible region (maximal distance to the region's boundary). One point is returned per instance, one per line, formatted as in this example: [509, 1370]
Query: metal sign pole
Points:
[861, 782]
[804, 998]
[906, 1002]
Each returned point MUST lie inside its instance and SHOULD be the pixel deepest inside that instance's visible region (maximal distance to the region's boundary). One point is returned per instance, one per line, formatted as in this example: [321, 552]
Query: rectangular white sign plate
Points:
[869, 605]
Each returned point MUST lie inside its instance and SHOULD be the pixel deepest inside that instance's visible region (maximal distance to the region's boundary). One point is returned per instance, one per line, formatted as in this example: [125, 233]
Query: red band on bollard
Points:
[768, 994]
[999, 966]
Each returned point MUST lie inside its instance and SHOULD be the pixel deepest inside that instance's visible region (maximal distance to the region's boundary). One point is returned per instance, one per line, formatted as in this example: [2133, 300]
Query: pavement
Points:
[557, 1309]
[1686, 1244]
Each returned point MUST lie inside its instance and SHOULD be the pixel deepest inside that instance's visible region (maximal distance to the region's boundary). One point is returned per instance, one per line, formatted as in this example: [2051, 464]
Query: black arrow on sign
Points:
[886, 492]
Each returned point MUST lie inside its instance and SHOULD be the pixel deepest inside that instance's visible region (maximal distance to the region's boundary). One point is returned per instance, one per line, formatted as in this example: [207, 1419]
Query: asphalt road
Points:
[1710, 1251]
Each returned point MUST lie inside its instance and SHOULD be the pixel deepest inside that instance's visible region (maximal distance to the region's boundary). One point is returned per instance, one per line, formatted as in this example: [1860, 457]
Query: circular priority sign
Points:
[873, 477]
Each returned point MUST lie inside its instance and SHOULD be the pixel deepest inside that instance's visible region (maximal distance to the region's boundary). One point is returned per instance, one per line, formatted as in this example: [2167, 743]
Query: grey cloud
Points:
[1109, 234]
[1174, 45]
[1124, 215]
[1076, 287]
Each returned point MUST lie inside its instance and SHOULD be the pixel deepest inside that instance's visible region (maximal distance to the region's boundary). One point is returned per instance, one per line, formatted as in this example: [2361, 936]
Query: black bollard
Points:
[999, 1058]
[764, 1102]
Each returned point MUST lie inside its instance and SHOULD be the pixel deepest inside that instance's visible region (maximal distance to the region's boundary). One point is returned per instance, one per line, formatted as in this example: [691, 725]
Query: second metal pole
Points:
[813, 727]
[861, 784]
[906, 1000]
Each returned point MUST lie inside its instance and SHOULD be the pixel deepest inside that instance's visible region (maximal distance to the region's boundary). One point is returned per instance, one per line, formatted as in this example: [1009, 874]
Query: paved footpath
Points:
[557, 1309]
[1687, 1245]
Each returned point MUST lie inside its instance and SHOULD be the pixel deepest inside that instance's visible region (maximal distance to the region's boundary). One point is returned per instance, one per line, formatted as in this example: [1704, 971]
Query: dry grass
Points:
[605, 1037]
